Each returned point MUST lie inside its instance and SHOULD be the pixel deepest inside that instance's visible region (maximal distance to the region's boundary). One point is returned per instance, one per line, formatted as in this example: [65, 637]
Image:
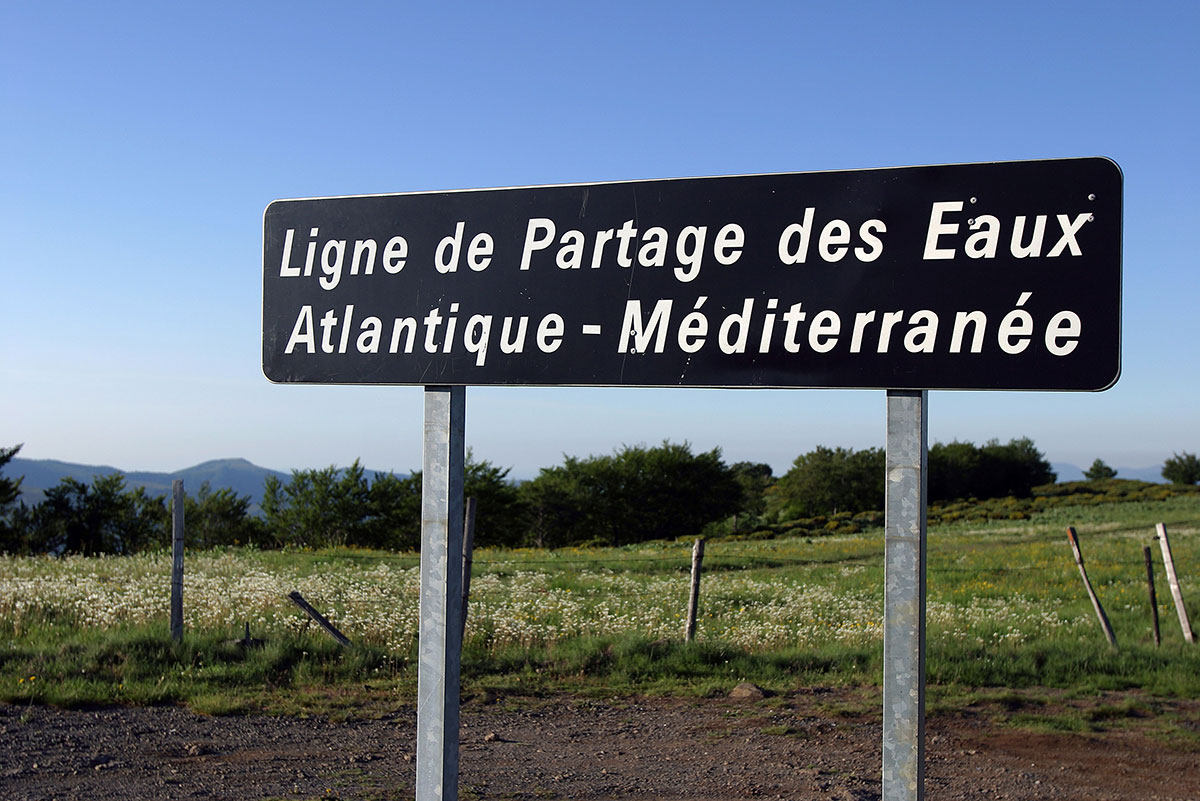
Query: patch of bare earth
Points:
[808, 745]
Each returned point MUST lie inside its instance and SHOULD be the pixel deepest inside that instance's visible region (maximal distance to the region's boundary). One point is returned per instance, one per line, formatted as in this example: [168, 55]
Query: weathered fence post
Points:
[1073, 538]
[299, 601]
[1153, 596]
[689, 630]
[177, 560]
[1173, 582]
[468, 552]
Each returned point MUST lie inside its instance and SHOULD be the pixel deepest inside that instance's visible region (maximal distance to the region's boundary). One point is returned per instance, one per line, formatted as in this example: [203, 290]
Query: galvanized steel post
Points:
[441, 593]
[904, 596]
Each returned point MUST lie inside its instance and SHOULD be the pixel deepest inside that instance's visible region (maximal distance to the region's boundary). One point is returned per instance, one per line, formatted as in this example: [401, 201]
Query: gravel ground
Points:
[573, 748]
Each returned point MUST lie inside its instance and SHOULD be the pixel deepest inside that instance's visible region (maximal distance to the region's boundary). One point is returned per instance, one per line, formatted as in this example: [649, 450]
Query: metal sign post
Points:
[441, 591]
[904, 596]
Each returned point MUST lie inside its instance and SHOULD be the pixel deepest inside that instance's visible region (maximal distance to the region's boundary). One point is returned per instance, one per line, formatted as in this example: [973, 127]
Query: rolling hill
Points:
[239, 475]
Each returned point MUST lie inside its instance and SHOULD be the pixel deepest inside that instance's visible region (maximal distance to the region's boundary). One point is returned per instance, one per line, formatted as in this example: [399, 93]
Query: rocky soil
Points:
[808, 745]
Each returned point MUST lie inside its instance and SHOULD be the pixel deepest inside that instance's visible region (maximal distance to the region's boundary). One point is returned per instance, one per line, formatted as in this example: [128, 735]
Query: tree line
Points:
[636, 493]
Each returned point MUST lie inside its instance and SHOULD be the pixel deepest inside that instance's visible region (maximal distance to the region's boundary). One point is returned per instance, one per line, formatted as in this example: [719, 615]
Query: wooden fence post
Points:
[1108, 632]
[468, 550]
[1173, 581]
[1153, 596]
[689, 631]
[177, 560]
[299, 601]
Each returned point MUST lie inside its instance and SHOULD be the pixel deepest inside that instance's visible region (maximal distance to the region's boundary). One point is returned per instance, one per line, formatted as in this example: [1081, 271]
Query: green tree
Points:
[635, 494]
[394, 521]
[754, 478]
[321, 508]
[1099, 471]
[102, 517]
[953, 471]
[10, 489]
[961, 470]
[557, 506]
[17, 532]
[501, 517]
[1013, 469]
[1182, 468]
[11, 533]
[317, 508]
[147, 524]
[274, 508]
[219, 518]
[829, 480]
[395, 512]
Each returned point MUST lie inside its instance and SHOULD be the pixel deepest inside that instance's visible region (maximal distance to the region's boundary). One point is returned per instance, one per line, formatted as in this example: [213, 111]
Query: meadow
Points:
[1006, 609]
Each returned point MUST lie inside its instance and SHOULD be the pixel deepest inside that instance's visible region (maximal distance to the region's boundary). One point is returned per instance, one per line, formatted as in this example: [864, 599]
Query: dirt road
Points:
[792, 747]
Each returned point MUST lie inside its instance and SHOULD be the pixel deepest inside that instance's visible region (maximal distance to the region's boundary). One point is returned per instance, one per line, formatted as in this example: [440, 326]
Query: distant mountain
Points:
[246, 478]
[1070, 472]
[238, 475]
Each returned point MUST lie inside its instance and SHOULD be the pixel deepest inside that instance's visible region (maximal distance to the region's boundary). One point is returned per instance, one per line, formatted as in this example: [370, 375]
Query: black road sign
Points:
[972, 276]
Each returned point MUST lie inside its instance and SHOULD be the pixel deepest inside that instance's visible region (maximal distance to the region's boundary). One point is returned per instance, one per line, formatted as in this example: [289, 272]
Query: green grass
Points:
[1006, 611]
[139, 665]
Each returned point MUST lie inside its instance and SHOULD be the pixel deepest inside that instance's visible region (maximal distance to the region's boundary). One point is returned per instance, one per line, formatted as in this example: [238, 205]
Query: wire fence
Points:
[754, 591]
[716, 560]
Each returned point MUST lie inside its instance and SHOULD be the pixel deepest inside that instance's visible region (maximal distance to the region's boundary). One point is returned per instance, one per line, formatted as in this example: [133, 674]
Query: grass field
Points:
[1006, 609]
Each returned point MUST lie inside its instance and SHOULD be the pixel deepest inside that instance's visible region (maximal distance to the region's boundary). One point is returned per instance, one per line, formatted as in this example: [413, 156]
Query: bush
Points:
[317, 508]
[830, 480]
[636, 494]
[220, 518]
[961, 470]
[1182, 468]
[102, 517]
[332, 507]
[1099, 471]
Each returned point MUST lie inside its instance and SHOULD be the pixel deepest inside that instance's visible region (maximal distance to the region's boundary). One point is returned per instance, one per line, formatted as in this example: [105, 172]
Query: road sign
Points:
[973, 276]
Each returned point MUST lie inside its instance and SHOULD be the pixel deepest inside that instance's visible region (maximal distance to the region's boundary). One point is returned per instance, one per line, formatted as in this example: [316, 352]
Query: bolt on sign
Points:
[1002, 276]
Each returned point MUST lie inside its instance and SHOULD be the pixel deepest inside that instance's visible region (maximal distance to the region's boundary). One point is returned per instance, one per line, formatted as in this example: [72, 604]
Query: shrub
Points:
[1182, 468]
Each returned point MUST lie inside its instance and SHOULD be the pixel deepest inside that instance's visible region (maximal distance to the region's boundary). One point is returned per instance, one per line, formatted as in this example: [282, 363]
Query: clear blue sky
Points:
[141, 142]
